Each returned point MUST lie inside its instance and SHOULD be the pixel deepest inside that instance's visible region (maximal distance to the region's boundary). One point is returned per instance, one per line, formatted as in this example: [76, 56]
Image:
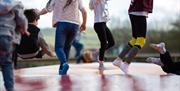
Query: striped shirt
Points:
[12, 19]
[68, 14]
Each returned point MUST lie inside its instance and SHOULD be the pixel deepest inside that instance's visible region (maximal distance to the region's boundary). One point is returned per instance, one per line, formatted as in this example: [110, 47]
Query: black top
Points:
[29, 44]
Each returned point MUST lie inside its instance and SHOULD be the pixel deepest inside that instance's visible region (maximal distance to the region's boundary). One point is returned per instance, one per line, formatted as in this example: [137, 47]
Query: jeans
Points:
[6, 62]
[7, 72]
[78, 47]
[65, 34]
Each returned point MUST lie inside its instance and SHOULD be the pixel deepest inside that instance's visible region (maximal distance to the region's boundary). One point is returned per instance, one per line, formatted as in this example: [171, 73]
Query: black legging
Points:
[105, 37]
[139, 25]
[169, 65]
[139, 28]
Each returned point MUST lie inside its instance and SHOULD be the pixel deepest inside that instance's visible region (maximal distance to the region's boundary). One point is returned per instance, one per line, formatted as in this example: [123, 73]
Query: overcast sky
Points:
[164, 10]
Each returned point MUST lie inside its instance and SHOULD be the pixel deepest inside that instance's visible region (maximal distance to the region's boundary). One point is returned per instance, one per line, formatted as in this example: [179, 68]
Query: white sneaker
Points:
[124, 67]
[154, 60]
[159, 47]
[117, 62]
[101, 65]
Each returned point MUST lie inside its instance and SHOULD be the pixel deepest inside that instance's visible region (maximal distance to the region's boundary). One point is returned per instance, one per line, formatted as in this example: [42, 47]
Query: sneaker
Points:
[64, 69]
[117, 62]
[124, 67]
[101, 65]
[154, 60]
[159, 47]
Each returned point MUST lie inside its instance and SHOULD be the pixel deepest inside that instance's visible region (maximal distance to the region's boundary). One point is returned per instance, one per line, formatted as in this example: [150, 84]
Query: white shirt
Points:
[142, 13]
[101, 13]
[68, 14]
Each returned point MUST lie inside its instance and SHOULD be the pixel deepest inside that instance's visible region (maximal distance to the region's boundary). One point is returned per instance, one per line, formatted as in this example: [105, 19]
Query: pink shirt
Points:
[68, 14]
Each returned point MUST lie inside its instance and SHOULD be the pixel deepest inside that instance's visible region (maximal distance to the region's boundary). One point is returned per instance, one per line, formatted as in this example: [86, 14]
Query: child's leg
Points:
[44, 46]
[69, 40]
[139, 28]
[8, 76]
[132, 42]
[78, 47]
[40, 54]
[169, 65]
[129, 48]
[125, 50]
[60, 38]
[70, 35]
[15, 56]
[101, 33]
[6, 61]
[110, 38]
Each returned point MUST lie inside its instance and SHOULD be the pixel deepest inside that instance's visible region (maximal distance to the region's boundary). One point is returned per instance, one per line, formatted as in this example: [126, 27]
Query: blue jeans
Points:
[6, 62]
[78, 47]
[65, 34]
[7, 71]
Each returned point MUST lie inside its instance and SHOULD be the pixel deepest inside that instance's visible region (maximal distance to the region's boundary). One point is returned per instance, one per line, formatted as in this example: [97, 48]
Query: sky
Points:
[164, 12]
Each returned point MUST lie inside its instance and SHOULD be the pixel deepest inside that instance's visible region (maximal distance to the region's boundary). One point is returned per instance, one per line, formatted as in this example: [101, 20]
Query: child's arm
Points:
[94, 3]
[48, 8]
[21, 21]
[84, 16]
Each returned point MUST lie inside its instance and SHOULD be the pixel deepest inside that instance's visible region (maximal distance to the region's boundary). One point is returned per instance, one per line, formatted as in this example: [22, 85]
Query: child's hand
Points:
[26, 33]
[83, 28]
[37, 11]
[43, 11]
[22, 30]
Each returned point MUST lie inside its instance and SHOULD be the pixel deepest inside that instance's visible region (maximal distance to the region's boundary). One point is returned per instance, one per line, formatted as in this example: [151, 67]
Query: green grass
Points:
[88, 38]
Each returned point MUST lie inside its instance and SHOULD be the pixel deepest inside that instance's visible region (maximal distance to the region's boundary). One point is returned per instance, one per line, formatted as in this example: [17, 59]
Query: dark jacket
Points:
[29, 44]
[141, 5]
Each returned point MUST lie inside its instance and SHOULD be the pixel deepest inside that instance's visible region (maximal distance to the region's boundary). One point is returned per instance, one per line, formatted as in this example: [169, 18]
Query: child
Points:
[86, 56]
[33, 45]
[165, 60]
[11, 19]
[138, 12]
[101, 16]
[66, 20]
